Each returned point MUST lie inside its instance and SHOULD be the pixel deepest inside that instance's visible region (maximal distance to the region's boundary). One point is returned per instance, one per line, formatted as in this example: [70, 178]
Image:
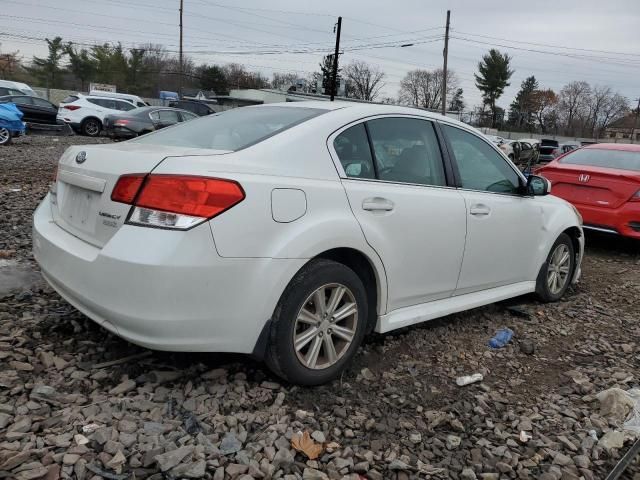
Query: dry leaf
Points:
[302, 442]
[7, 253]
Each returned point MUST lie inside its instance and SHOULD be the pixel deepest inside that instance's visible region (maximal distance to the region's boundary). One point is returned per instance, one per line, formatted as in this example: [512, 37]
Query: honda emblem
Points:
[584, 178]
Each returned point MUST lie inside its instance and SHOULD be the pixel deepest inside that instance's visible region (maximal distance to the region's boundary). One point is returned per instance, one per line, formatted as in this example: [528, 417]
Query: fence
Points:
[518, 135]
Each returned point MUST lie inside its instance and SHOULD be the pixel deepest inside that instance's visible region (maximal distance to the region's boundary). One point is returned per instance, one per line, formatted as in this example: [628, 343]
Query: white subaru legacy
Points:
[290, 231]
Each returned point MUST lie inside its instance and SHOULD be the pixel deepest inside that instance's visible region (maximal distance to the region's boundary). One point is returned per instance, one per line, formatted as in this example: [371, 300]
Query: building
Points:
[622, 128]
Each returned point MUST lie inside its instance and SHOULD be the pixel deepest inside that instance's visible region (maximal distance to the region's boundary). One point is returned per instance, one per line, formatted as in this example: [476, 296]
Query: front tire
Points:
[556, 273]
[91, 127]
[318, 324]
[5, 136]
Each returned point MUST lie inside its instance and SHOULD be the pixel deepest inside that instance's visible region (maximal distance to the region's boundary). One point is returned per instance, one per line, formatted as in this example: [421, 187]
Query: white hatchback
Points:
[289, 231]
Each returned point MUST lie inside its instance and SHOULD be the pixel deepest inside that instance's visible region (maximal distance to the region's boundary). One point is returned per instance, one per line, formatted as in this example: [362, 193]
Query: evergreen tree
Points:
[493, 78]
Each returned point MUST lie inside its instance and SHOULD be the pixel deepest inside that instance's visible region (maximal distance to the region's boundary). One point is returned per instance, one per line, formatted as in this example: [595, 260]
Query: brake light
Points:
[121, 123]
[71, 107]
[175, 201]
[127, 187]
[636, 197]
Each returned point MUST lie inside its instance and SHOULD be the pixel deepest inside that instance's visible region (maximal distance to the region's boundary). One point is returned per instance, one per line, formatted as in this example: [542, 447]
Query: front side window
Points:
[352, 147]
[23, 101]
[480, 166]
[41, 103]
[188, 116]
[406, 150]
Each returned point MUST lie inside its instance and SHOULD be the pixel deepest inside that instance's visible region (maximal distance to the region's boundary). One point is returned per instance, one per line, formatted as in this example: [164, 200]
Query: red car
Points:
[603, 182]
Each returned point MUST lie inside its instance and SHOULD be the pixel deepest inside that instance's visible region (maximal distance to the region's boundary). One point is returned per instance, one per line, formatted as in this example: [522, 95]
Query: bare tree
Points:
[9, 64]
[282, 81]
[614, 107]
[543, 103]
[364, 81]
[574, 104]
[423, 88]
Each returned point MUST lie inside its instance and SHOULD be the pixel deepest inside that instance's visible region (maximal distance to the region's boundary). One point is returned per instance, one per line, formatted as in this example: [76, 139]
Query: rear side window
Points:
[407, 151]
[23, 100]
[124, 106]
[594, 157]
[352, 147]
[232, 130]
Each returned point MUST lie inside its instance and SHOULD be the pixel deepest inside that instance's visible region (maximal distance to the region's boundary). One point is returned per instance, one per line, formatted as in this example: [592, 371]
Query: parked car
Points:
[569, 146]
[135, 99]
[20, 87]
[549, 149]
[86, 113]
[4, 91]
[519, 151]
[291, 230]
[199, 108]
[11, 124]
[144, 120]
[495, 139]
[34, 109]
[603, 182]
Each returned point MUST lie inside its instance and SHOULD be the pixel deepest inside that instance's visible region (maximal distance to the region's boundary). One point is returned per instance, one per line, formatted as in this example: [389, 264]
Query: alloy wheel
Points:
[5, 135]
[92, 128]
[325, 326]
[559, 269]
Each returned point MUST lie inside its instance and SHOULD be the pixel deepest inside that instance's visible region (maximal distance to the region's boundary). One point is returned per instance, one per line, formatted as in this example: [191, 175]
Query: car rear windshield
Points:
[232, 130]
[595, 157]
[70, 99]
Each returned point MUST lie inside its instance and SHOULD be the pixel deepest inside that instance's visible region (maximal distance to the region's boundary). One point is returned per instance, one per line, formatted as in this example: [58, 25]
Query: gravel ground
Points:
[397, 413]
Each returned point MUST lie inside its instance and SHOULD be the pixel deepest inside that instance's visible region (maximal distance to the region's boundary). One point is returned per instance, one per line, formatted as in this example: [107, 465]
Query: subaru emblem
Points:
[81, 157]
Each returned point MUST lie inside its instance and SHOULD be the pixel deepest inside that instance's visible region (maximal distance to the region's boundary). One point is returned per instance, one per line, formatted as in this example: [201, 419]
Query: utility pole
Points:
[444, 70]
[334, 73]
[635, 121]
[181, 64]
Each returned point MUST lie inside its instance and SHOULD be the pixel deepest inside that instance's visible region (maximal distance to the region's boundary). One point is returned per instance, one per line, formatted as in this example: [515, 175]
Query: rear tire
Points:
[557, 271]
[5, 136]
[318, 324]
[91, 127]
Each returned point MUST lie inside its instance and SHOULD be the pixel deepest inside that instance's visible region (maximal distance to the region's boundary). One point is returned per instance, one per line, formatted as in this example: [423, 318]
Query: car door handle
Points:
[377, 204]
[479, 210]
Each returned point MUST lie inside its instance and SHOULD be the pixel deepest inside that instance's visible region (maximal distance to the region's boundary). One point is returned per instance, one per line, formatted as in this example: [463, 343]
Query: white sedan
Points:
[289, 231]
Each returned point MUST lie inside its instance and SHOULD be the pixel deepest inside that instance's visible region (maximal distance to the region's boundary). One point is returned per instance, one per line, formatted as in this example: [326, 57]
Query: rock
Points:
[127, 426]
[70, 458]
[527, 346]
[398, 464]
[21, 426]
[468, 474]
[453, 442]
[16, 460]
[582, 461]
[313, 474]
[21, 366]
[504, 467]
[190, 470]
[230, 444]
[367, 374]
[415, 438]
[235, 469]
[5, 419]
[562, 459]
[283, 458]
[124, 387]
[32, 474]
[117, 462]
[615, 403]
[612, 439]
[170, 459]
[318, 436]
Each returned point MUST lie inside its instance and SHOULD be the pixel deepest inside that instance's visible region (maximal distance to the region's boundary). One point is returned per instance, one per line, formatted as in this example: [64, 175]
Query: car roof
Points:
[627, 147]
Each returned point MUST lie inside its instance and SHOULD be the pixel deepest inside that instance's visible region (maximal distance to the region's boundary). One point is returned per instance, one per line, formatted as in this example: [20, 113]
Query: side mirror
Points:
[538, 186]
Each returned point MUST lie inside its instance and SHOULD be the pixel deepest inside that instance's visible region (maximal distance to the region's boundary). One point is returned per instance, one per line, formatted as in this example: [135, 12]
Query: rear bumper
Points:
[163, 289]
[624, 220]
[120, 132]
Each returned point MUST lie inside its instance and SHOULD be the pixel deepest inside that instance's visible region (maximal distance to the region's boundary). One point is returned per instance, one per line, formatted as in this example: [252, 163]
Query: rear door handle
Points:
[479, 210]
[377, 204]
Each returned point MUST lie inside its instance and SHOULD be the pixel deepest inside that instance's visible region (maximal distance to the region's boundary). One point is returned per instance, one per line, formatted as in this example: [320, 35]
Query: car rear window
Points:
[596, 157]
[232, 130]
[69, 99]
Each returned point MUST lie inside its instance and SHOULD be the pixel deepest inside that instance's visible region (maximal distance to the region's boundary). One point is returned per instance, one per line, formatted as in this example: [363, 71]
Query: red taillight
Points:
[127, 187]
[176, 201]
[190, 195]
[120, 123]
[71, 107]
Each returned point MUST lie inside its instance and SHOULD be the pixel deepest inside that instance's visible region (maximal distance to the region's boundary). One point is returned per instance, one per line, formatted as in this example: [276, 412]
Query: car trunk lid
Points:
[592, 186]
[81, 196]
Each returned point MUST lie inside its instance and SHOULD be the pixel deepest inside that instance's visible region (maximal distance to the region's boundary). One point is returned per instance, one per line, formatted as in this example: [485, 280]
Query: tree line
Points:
[577, 109]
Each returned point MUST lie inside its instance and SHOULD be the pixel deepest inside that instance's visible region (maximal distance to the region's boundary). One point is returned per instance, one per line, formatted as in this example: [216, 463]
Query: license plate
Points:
[79, 208]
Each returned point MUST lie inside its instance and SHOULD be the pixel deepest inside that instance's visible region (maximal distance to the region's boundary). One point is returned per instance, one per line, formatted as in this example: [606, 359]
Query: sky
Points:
[557, 41]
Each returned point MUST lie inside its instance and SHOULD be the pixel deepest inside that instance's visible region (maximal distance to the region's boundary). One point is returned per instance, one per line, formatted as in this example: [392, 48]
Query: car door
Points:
[25, 105]
[186, 116]
[45, 111]
[165, 118]
[504, 227]
[393, 171]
